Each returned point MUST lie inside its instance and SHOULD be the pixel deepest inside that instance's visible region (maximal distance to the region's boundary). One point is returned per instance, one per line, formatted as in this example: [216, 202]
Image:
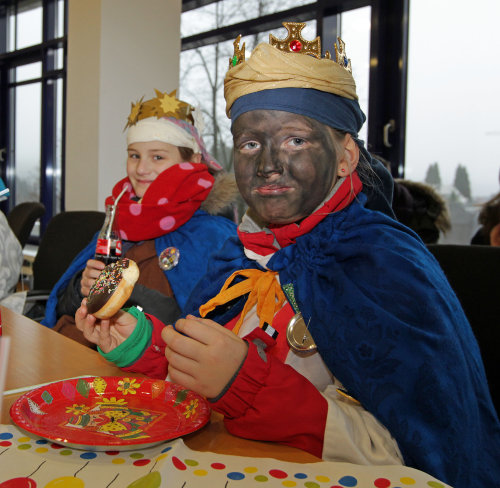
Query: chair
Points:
[474, 274]
[22, 218]
[67, 233]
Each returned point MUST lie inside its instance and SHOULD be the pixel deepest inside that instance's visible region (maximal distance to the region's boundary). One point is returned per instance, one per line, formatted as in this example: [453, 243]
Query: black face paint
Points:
[285, 164]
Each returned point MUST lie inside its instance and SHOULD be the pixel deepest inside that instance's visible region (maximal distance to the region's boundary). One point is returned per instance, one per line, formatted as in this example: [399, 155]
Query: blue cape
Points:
[390, 328]
[197, 239]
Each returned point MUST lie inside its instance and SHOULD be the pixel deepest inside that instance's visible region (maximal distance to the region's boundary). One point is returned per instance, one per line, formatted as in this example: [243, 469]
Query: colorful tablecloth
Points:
[26, 462]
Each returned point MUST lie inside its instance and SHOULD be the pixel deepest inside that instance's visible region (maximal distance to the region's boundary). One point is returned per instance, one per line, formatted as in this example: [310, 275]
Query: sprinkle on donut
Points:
[112, 288]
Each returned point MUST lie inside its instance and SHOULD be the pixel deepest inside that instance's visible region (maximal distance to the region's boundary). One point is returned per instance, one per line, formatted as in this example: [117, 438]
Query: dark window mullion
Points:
[388, 81]
[48, 143]
[49, 19]
[48, 113]
[3, 29]
[10, 154]
[3, 100]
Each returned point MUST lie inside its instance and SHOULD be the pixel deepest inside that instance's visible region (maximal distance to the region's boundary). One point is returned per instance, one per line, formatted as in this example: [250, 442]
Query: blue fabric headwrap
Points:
[329, 109]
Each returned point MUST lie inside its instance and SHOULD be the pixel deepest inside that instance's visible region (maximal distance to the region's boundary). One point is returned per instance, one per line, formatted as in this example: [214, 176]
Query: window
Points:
[453, 133]
[32, 80]
[355, 26]
[25, 25]
[204, 66]
[220, 14]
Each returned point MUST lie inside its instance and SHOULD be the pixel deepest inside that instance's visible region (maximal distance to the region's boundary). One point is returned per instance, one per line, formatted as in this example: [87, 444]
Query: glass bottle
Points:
[109, 244]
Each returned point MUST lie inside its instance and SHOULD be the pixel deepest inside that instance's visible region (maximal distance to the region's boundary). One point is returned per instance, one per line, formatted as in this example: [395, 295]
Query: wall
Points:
[118, 51]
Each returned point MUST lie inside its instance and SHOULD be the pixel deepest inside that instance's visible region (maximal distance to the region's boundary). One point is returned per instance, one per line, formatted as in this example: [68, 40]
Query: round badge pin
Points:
[169, 258]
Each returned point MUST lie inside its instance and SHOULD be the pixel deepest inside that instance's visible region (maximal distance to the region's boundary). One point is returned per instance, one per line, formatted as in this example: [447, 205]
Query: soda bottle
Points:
[109, 245]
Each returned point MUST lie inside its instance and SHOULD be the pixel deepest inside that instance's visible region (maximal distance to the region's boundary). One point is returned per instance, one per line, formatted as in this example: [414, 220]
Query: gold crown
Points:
[295, 43]
[163, 105]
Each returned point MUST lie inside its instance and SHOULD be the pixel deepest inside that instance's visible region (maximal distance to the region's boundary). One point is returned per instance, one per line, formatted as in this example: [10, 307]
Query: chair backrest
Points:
[474, 274]
[22, 218]
[67, 233]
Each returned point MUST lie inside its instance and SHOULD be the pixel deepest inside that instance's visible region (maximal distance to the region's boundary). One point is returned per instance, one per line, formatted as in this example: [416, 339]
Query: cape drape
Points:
[390, 328]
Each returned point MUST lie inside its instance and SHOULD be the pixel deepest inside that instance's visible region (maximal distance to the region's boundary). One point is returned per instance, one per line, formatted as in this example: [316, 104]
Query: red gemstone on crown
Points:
[295, 46]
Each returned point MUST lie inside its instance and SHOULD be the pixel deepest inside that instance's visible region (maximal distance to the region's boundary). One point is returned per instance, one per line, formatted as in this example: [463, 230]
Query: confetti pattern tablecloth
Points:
[26, 462]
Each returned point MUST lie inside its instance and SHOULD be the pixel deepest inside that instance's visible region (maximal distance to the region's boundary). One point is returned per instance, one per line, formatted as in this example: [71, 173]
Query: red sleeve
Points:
[152, 361]
[270, 401]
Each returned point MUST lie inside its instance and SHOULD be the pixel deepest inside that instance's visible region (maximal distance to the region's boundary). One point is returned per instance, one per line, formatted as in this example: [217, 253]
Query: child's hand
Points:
[205, 358]
[90, 274]
[107, 334]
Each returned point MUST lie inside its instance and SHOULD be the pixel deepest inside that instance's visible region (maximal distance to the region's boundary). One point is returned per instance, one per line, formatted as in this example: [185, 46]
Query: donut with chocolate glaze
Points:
[112, 288]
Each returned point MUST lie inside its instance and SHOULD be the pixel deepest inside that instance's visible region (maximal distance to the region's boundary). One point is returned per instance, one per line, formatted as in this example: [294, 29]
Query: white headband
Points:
[153, 129]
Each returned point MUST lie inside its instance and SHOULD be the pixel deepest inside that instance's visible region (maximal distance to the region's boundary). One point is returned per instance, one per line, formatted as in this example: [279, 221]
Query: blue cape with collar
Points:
[197, 239]
[390, 328]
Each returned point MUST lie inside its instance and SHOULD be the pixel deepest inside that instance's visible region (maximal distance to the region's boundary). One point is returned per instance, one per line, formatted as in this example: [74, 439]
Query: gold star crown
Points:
[163, 105]
[295, 43]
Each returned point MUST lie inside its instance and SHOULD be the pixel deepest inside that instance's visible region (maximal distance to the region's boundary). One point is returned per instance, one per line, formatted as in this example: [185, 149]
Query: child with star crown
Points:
[174, 191]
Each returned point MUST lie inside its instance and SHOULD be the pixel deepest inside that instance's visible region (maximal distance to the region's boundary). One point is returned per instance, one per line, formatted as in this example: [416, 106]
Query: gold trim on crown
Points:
[340, 55]
[294, 43]
[163, 105]
[239, 54]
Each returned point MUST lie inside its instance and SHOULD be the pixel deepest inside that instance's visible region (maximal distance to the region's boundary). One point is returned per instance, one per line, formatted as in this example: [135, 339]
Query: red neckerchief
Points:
[262, 243]
[169, 201]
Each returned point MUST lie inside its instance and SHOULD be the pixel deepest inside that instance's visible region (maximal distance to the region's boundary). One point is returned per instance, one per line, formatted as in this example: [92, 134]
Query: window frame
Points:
[46, 53]
[388, 61]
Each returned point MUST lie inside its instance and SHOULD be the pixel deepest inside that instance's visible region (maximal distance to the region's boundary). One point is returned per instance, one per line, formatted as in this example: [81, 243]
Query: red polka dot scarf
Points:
[169, 202]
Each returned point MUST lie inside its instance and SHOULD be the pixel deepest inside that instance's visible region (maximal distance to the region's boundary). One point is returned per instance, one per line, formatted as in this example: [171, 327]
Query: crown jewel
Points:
[239, 54]
[295, 43]
[340, 55]
[163, 105]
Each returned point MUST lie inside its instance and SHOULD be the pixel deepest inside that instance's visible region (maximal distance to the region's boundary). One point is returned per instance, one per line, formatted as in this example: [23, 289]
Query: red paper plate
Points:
[110, 413]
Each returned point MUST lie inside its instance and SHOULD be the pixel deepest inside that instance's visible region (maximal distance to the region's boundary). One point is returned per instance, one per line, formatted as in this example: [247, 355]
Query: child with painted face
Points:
[326, 325]
[173, 193]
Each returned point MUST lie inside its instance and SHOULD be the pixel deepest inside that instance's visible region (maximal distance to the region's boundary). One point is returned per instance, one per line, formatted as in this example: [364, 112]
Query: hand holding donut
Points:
[112, 288]
[90, 274]
[107, 334]
[107, 295]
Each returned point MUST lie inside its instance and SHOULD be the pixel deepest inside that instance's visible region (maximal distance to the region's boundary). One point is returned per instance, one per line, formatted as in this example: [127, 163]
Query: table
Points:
[40, 355]
[209, 457]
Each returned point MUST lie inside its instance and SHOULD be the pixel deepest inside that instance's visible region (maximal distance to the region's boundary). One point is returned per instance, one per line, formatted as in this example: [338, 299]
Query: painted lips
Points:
[270, 190]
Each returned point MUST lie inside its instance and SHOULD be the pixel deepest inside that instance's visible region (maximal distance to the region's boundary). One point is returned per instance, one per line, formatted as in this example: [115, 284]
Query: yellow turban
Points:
[269, 68]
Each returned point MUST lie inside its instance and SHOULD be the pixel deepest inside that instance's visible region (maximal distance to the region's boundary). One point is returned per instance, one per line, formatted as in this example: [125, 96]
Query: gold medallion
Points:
[298, 336]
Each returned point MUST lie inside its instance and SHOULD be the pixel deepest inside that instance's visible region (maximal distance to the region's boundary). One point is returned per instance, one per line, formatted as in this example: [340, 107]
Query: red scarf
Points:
[262, 243]
[169, 201]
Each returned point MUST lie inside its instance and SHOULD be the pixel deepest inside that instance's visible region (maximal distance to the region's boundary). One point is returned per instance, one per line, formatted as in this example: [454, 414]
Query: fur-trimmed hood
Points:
[223, 195]
[420, 207]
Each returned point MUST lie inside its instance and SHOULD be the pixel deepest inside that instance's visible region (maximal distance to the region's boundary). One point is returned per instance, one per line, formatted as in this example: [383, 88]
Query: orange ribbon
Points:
[263, 288]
